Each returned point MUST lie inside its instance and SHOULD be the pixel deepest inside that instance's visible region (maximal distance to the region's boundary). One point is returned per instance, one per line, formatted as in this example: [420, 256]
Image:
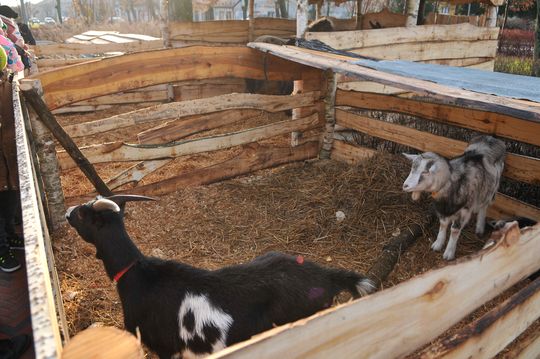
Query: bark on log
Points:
[385, 263]
[63, 138]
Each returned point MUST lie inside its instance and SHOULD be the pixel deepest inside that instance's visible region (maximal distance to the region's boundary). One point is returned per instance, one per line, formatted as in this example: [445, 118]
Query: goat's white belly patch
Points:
[202, 325]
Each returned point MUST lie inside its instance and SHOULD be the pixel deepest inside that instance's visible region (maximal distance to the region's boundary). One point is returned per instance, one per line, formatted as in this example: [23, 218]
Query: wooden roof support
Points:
[164, 23]
[444, 94]
[412, 12]
[491, 20]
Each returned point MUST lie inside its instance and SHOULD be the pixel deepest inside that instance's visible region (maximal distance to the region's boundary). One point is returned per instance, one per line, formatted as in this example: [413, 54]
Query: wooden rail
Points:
[396, 321]
[123, 73]
[39, 263]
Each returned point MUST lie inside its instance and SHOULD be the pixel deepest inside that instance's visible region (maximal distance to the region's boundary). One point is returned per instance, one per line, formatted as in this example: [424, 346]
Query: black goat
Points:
[185, 311]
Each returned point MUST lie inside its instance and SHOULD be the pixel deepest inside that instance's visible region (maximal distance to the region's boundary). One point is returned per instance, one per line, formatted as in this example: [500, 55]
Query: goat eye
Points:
[425, 172]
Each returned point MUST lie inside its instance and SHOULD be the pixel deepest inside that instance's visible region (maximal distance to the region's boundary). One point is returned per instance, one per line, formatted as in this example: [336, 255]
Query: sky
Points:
[16, 2]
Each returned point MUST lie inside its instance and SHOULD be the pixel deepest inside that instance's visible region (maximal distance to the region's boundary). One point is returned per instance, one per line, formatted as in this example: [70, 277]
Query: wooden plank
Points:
[488, 335]
[192, 90]
[104, 342]
[253, 157]
[347, 40]
[445, 94]
[344, 152]
[54, 63]
[46, 335]
[122, 73]
[136, 172]
[377, 326]
[79, 49]
[175, 130]
[270, 103]
[431, 50]
[125, 98]
[507, 207]
[274, 27]
[532, 350]
[482, 121]
[218, 31]
[521, 168]
[119, 151]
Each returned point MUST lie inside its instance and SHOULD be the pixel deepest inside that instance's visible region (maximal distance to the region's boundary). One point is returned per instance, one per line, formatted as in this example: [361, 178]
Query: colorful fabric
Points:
[14, 62]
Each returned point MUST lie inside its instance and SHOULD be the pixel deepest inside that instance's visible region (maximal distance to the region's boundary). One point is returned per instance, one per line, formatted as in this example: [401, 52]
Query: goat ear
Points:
[410, 157]
[104, 204]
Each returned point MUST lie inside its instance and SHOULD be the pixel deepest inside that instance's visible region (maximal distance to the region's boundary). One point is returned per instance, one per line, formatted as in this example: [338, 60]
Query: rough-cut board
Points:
[487, 122]
[384, 18]
[344, 152]
[122, 73]
[103, 342]
[253, 157]
[193, 90]
[346, 40]
[230, 31]
[175, 130]
[219, 31]
[445, 94]
[507, 207]
[46, 335]
[126, 98]
[79, 49]
[377, 326]
[521, 168]
[270, 103]
[431, 50]
[136, 172]
[119, 151]
[488, 335]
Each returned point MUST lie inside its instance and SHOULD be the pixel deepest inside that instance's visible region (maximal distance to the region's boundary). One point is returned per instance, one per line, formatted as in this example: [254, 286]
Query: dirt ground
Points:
[291, 208]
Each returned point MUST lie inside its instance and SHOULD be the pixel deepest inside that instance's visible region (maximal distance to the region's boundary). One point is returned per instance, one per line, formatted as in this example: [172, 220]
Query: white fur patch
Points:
[205, 314]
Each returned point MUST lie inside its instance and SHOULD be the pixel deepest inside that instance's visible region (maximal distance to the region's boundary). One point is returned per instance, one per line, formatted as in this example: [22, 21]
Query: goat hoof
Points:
[448, 256]
[437, 247]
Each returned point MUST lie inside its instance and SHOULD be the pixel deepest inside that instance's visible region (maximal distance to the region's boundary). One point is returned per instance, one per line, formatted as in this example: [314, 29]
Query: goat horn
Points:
[104, 204]
[120, 199]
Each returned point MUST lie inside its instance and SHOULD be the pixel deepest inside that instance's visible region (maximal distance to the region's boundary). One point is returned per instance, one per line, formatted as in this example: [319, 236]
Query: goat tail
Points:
[366, 286]
[357, 284]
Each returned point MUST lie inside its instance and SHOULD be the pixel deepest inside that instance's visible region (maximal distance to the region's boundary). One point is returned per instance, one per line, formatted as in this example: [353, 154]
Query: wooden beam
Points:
[521, 168]
[122, 73]
[210, 31]
[412, 12]
[347, 40]
[46, 334]
[378, 326]
[302, 17]
[177, 110]
[136, 172]
[119, 151]
[175, 130]
[430, 51]
[63, 138]
[445, 94]
[488, 335]
[487, 122]
[529, 348]
[253, 157]
[329, 114]
[79, 49]
[344, 152]
[126, 98]
[104, 342]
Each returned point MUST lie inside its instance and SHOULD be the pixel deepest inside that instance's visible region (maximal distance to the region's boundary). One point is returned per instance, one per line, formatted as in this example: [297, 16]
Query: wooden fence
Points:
[177, 120]
[394, 322]
[46, 308]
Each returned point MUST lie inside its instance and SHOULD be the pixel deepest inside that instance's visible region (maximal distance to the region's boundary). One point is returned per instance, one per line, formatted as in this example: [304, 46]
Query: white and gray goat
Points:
[460, 187]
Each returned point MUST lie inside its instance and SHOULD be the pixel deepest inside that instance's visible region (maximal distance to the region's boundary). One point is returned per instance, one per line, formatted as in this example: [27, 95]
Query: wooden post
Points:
[412, 12]
[164, 23]
[251, 19]
[103, 342]
[358, 14]
[491, 20]
[48, 120]
[329, 114]
[298, 86]
[318, 7]
[48, 166]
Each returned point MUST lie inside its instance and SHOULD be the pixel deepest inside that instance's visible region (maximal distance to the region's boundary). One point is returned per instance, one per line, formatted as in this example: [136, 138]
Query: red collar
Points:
[123, 271]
